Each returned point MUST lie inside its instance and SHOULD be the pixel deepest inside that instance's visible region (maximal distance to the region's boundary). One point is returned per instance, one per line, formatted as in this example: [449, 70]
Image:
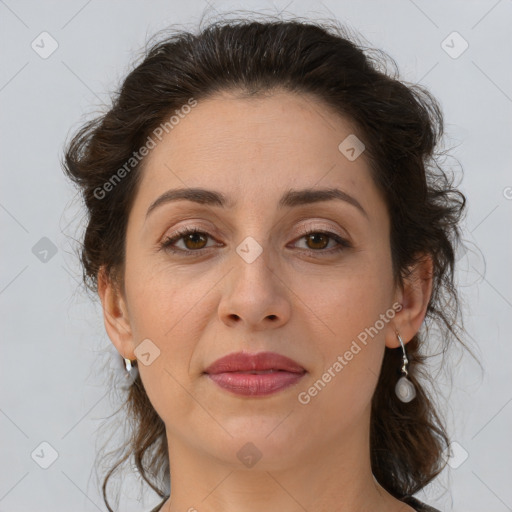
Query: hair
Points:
[401, 125]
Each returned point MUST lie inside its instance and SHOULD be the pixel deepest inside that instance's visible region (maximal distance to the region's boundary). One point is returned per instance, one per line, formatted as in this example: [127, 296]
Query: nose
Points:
[254, 294]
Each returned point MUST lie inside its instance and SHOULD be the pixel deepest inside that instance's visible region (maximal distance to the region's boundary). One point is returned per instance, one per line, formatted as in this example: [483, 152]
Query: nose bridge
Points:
[254, 293]
[253, 262]
[256, 258]
[254, 229]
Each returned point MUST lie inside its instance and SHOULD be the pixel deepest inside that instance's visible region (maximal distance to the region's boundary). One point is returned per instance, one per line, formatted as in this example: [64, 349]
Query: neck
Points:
[335, 474]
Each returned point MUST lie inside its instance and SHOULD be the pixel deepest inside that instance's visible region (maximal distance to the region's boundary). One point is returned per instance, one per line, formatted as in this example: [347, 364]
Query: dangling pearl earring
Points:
[404, 389]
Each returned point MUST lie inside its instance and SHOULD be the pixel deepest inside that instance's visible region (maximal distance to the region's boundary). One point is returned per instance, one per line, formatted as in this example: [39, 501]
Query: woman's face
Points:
[252, 281]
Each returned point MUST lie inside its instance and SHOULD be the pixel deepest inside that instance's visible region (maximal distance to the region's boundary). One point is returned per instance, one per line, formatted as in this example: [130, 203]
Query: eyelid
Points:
[306, 228]
[342, 242]
[192, 224]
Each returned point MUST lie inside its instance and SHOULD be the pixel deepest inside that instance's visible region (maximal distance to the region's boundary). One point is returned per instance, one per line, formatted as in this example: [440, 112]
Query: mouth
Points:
[253, 375]
[254, 372]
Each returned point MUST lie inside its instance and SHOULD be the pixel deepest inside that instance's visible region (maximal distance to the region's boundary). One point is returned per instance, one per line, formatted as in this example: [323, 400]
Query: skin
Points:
[292, 300]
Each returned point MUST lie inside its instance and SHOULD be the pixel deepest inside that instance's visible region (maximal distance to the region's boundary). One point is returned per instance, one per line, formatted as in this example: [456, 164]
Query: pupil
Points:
[315, 236]
[191, 237]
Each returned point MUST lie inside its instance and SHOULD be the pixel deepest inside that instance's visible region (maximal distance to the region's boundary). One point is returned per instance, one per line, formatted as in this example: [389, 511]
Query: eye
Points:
[193, 238]
[317, 241]
[195, 241]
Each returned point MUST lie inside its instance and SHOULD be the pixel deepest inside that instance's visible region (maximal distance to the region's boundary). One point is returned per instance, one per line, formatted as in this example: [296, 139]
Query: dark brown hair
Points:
[401, 126]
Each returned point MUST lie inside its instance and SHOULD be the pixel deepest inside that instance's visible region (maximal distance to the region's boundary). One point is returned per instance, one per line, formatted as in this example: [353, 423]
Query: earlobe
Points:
[415, 297]
[115, 315]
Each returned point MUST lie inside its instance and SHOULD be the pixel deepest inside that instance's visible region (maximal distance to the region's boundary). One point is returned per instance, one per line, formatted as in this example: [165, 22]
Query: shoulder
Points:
[418, 505]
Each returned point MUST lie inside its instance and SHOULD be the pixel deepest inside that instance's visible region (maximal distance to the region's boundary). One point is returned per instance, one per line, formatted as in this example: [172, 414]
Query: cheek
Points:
[170, 308]
[165, 309]
[341, 388]
[163, 299]
[348, 301]
[356, 312]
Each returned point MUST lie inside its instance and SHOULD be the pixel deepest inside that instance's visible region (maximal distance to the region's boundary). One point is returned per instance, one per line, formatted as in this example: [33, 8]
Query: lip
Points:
[258, 374]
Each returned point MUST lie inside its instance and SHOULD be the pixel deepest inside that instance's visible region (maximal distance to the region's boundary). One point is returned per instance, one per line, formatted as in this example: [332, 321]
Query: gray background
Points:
[53, 335]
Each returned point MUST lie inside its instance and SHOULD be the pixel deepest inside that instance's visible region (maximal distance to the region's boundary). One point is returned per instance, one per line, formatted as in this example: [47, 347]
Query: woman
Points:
[268, 230]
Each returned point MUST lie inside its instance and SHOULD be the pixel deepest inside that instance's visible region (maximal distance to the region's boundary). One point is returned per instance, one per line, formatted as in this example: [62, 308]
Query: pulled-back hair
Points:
[401, 126]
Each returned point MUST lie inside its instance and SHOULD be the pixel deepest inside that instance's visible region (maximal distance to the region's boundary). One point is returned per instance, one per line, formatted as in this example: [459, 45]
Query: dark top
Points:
[410, 500]
[416, 504]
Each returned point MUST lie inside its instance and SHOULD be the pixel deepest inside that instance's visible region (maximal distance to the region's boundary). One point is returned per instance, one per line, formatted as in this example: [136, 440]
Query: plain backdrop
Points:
[53, 399]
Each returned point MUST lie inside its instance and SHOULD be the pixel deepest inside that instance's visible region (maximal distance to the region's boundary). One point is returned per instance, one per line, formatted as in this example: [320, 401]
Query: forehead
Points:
[254, 149]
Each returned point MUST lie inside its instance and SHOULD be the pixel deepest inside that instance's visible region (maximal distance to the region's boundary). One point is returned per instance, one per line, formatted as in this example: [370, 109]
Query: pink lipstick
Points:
[258, 374]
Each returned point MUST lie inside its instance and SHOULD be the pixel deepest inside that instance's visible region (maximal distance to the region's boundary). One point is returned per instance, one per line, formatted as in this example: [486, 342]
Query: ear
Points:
[115, 315]
[414, 297]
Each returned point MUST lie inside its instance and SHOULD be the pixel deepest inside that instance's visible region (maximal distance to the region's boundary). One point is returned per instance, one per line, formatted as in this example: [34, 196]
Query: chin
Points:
[262, 442]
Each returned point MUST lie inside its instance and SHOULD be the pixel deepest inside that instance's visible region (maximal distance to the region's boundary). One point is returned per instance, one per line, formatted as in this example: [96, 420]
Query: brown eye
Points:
[196, 240]
[192, 240]
[316, 243]
[318, 240]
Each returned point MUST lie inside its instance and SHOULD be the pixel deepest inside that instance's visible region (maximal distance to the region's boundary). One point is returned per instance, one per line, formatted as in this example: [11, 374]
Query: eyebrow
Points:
[291, 198]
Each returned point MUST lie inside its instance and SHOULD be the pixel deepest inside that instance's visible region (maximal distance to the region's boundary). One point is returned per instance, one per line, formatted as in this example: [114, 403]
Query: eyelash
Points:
[167, 242]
